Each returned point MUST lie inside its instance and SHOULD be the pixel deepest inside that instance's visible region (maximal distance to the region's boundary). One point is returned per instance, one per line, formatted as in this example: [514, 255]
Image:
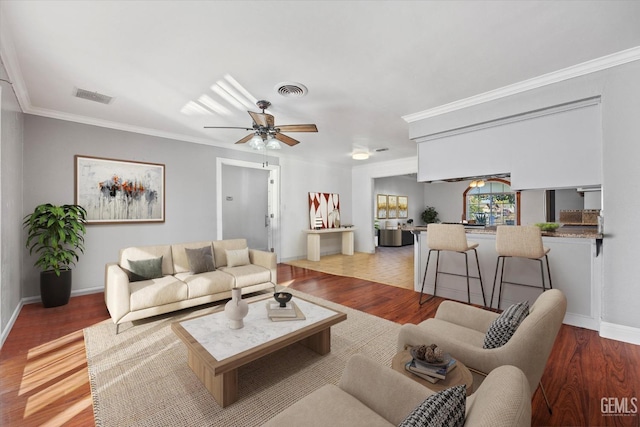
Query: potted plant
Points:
[429, 215]
[55, 234]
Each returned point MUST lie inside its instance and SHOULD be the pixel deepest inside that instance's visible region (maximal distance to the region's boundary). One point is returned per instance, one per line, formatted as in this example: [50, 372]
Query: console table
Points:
[313, 241]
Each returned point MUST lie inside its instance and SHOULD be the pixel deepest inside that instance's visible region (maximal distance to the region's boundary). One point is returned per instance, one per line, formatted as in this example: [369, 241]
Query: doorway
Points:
[248, 197]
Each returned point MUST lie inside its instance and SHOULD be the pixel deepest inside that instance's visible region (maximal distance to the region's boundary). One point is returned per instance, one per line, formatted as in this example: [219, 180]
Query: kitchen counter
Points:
[580, 232]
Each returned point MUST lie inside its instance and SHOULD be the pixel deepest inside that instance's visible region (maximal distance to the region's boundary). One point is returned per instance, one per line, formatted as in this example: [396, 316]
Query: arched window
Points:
[492, 204]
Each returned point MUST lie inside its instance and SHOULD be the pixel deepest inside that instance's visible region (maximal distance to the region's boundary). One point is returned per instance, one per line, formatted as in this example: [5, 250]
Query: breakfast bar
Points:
[575, 258]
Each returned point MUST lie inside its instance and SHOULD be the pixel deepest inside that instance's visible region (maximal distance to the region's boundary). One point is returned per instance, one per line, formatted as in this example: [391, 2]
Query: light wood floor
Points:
[389, 265]
[44, 378]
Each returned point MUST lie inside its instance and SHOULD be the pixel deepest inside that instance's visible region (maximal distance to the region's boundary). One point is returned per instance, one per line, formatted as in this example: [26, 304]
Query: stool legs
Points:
[435, 286]
[495, 277]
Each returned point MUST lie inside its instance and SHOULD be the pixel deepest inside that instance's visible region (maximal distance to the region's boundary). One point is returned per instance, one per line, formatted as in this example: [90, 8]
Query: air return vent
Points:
[93, 96]
[291, 89]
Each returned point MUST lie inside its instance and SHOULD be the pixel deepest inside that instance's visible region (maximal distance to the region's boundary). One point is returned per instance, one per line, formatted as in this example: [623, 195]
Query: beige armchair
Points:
[460, 329]
[370, 394]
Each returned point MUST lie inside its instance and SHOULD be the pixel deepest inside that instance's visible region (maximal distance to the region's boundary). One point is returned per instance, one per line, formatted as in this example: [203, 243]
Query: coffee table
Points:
[459, 376]
[215, 352]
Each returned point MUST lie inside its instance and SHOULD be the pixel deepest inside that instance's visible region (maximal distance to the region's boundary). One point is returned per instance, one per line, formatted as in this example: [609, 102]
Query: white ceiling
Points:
[366, 64]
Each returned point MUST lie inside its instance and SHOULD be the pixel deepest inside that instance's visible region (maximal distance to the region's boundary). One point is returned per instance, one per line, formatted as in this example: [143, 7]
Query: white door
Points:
[245, 206]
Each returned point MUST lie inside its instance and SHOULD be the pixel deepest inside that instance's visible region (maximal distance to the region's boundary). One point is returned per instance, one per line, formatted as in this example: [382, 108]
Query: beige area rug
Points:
[389, 265]
[140, 377]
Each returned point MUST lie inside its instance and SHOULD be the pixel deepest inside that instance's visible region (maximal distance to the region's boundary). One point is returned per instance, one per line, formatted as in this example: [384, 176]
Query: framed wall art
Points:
[403, 207]
[381, 206]
[392, 206]
[324, 210]
[119, 191]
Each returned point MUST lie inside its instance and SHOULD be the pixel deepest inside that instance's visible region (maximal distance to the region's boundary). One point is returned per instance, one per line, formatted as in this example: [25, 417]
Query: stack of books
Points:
[430, 372]
[278, 314]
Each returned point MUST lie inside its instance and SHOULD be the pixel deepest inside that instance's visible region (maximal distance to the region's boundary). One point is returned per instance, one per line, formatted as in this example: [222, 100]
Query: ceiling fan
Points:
[264, 128]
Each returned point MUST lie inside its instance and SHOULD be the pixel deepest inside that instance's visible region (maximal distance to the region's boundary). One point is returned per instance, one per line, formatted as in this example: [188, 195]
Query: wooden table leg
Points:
[223, 387]
[320, 342]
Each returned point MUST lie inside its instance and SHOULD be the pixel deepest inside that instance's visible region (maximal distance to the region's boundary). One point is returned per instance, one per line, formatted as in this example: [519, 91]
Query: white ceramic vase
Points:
[236, 309]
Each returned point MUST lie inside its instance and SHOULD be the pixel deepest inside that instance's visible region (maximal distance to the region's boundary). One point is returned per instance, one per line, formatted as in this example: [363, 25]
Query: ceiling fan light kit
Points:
[264, 128]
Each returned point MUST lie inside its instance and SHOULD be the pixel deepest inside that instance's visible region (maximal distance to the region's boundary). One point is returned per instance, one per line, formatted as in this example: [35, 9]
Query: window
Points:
[492, 204]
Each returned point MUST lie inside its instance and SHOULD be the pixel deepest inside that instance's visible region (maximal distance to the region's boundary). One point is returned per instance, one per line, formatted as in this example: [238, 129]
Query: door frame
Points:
[273, 198]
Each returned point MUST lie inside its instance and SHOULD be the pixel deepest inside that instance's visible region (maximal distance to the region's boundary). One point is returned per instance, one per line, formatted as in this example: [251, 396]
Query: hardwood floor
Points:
[44, 378]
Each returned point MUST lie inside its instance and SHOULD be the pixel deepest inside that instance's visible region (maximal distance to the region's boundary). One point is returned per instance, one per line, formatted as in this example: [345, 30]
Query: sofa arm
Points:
[466, 315]
[385, 391]
[116, 291]
[267, 260]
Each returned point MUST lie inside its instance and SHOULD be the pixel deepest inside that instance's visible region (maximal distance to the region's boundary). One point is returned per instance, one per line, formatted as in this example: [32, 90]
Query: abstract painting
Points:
[119, 191]
[392, 206]
[324, 210]
[403, 207]
[381, 206]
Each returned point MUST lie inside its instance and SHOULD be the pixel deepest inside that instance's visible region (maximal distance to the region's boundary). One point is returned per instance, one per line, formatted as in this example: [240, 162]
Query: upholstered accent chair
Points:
[461, 329]
[369, 394]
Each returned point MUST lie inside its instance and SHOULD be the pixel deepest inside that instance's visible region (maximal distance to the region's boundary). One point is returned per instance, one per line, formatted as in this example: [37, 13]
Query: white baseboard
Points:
[12, 321]
[620, 332]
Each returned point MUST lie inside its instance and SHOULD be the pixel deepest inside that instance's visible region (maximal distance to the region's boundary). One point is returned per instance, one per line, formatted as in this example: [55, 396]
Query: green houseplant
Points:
[56, 235]
[429, 215]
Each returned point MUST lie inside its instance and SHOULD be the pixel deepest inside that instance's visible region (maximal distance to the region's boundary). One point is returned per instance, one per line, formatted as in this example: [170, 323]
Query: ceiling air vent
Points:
[291, 89]
[93, 96]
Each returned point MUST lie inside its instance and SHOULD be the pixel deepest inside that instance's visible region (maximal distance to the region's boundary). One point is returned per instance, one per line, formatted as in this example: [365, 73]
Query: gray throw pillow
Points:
[502, 329]
[145, 269]
[443, 409]
[200, 259]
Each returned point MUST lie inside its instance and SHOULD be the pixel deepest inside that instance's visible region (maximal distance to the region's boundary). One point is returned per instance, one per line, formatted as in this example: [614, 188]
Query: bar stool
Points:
[519, 242]
[450, 237]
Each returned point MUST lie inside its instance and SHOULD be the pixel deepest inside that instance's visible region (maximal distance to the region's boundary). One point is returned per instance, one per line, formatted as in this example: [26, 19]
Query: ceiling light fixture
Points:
[272, 143]
[477, 183]
[256, 142]
[360, 155]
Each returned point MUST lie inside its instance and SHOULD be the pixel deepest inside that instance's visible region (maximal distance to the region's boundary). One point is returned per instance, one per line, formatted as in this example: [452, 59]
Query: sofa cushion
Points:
[209, 283]
[237, 257]
[156, 292]
[443, 409]
[247, 275]
[503, 328]
[219, 247]
[329, 405]
[145, 252]
[145, 269]
[179, 253]
[200, 259]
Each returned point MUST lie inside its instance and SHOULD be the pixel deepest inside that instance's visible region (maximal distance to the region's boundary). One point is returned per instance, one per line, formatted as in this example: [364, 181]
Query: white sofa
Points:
[178, 287]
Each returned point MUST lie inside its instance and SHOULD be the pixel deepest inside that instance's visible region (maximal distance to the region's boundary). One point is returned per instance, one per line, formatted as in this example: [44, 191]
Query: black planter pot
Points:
[55, 290]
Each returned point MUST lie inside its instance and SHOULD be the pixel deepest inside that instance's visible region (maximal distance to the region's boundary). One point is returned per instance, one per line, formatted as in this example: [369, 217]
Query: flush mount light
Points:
[360, 155]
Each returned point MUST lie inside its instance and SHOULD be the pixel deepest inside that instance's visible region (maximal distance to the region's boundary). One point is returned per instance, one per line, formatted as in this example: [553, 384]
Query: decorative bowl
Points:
[548, 226]
[283, 298]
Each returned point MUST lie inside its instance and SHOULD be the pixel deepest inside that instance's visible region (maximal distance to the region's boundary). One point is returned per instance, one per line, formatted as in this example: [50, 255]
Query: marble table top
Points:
[213, 333]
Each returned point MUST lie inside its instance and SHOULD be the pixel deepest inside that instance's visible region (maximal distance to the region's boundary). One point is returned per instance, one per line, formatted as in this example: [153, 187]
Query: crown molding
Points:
[595, 65]
[10, 60]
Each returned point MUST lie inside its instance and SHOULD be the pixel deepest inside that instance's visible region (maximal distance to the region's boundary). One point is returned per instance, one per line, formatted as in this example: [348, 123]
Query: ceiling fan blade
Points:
[262, 119]
[298, 128]
[286, 139]
[246, 138]
[226, 127]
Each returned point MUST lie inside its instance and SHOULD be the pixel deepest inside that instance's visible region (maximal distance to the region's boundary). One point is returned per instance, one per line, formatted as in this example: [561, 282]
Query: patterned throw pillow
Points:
[200, 259]
[237, 257]
[145, 269]
[503, 328]
[443, 409]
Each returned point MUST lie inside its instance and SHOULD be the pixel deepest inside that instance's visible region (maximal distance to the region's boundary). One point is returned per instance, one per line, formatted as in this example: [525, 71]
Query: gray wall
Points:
[619, 89]
[403, 186]
[11, 137]
[190, 170]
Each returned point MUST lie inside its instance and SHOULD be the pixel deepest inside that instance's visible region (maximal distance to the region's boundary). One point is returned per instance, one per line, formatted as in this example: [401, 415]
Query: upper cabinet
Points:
[558, 147]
